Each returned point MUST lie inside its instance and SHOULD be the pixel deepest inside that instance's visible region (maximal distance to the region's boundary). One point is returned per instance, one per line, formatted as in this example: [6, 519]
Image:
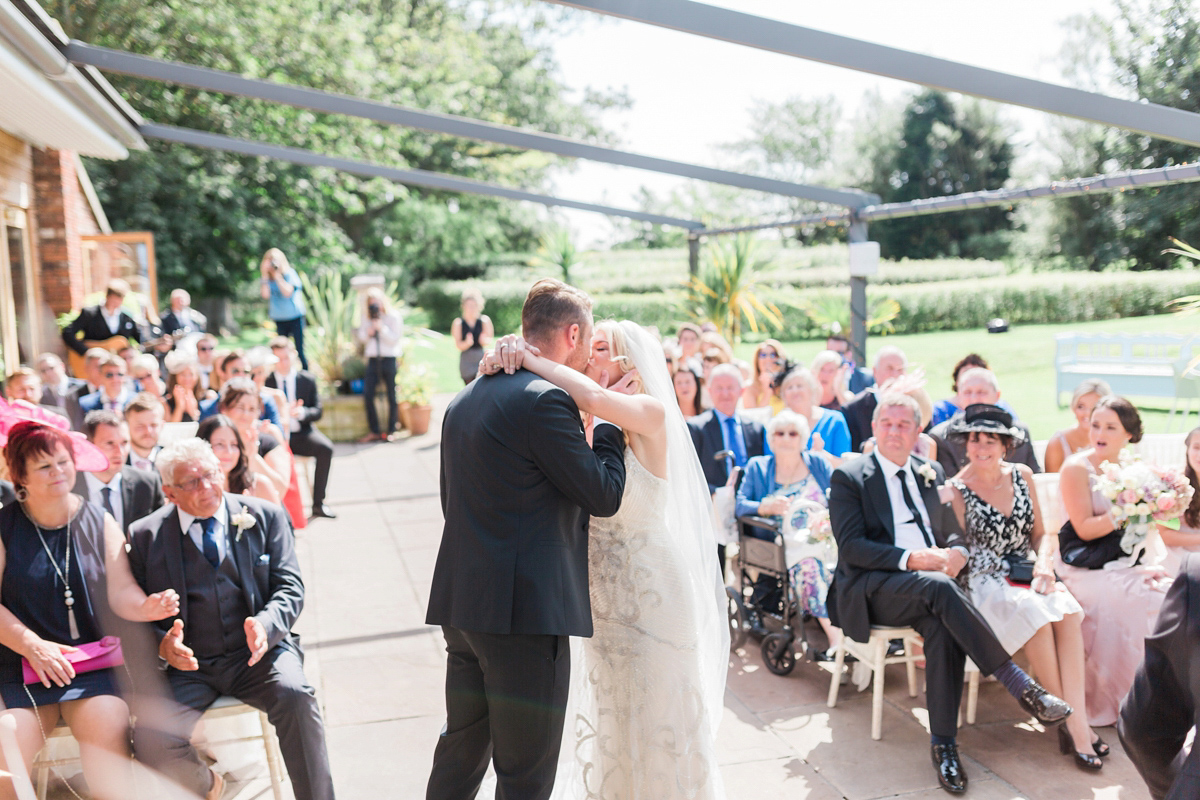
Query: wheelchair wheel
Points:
[777, 653]
[737, 618]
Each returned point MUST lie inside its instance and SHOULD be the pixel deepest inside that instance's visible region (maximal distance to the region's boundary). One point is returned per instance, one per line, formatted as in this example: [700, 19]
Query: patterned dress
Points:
[1015, 613]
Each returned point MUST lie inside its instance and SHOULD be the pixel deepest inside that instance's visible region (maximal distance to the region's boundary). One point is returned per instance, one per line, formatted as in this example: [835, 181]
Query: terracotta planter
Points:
[402, 410]
[419, 417]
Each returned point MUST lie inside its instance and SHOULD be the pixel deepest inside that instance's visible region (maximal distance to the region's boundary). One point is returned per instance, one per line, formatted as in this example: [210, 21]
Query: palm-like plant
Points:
[331, 308]
[832, 314]
[724, 292]
[557, 250]
[1188, 304]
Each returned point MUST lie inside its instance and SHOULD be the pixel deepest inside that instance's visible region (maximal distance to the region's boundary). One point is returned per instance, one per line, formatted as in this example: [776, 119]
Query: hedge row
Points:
[1047, 298]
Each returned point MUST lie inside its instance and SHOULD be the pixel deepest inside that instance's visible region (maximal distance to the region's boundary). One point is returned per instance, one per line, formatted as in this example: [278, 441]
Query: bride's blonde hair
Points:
[619, 350]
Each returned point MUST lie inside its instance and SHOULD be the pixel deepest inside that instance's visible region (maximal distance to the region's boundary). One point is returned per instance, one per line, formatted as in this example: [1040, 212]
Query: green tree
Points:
[942, 149]
[214, 213]
[1147, 51]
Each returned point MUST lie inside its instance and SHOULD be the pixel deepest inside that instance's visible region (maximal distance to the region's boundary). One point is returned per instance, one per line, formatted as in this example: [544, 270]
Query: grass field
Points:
[1023, 360]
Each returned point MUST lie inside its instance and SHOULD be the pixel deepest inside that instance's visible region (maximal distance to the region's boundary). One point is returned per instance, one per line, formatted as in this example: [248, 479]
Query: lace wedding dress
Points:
[647, 688]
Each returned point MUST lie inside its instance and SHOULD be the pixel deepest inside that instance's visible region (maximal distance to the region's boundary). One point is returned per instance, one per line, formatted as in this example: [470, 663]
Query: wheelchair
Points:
[763, 602]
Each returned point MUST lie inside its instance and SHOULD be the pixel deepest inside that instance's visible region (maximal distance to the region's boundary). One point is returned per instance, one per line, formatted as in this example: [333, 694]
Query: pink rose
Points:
[1165, 502]
[1126, 497]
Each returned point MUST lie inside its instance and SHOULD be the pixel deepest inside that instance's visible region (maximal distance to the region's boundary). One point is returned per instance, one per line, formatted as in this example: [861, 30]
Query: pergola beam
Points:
[410, 177]
[687, 16]
[300, 97]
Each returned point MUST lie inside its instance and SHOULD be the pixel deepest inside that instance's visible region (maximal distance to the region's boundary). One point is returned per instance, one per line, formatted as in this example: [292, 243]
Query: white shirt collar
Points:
[95, 484]
[886, 463]
[186, 519]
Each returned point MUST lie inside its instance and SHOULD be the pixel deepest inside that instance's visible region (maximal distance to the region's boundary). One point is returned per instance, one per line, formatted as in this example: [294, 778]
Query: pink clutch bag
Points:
[88, 657]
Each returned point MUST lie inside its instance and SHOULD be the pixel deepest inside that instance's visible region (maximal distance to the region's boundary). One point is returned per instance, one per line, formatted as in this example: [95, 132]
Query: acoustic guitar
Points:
[113, 344]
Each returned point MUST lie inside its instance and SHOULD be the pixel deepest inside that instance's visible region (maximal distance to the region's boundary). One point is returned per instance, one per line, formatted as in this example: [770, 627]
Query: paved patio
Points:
[379, 672]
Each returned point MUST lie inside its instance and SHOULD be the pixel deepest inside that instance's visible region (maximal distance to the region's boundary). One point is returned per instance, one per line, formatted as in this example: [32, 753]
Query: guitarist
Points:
[97, 323]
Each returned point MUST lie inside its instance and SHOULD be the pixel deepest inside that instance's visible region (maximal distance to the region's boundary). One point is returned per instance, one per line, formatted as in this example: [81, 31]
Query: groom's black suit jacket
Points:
[518, 482]
[860, 512]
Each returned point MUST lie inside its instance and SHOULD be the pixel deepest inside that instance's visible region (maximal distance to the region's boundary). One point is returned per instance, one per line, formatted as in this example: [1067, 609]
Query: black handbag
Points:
[1092, 554]
[1020, 569]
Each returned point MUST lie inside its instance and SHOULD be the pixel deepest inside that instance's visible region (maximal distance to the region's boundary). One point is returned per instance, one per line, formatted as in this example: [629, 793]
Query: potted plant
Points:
[415, 388]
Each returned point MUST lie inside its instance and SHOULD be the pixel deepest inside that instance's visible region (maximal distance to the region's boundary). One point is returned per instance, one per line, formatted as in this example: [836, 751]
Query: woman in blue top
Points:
[800, 392]
[282, 288]
[772, 482]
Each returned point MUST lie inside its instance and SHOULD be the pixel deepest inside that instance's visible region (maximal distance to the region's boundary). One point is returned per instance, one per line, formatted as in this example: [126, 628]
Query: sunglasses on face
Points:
[772, 356]
[789, 434]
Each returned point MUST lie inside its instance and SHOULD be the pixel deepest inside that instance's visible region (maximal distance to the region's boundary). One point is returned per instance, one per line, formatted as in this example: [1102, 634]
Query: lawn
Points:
[1023, 360]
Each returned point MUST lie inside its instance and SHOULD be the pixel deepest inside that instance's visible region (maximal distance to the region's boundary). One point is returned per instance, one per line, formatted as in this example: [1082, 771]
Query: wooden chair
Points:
[874, 655]
[224, 707]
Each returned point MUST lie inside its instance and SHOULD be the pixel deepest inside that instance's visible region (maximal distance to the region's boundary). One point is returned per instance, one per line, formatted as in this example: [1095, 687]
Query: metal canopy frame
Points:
[229, 83]
[411, 177]
[687, 16]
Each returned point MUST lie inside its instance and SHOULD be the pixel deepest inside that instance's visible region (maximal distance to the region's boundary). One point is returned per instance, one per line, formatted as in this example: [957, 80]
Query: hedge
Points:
[1046, 298]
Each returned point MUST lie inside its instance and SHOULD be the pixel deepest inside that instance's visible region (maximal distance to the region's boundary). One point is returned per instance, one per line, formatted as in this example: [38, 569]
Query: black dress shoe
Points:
[1047, 708]
[323, 511]
[949, 769]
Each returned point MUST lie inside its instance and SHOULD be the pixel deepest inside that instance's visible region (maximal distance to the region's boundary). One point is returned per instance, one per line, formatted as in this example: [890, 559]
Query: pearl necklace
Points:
[68, 596]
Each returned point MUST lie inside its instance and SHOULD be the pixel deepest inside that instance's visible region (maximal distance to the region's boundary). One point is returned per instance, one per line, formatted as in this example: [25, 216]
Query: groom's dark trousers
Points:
[869, 588]
[518, 482]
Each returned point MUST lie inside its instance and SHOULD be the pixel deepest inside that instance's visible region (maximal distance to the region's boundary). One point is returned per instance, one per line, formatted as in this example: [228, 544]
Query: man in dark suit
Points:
[977, 385]
[182, 318]
[56, 384]
[114, 392]
[127, 493]
[890, 363]
[145, 416]
[1161, 707]
[301, 415]
[518, 482]
[233, 561]
[722, 428]
[899, 548]
[97, 323]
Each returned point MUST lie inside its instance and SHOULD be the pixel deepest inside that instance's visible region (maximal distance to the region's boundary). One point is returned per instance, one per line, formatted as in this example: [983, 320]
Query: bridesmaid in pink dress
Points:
[1120, 597]
[1187, 539]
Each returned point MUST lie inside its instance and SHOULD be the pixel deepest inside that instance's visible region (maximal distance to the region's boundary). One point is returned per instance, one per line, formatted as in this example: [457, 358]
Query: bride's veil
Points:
[690, 536]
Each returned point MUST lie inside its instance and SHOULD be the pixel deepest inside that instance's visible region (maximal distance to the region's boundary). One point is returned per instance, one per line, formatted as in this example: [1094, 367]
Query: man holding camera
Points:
[381, 333]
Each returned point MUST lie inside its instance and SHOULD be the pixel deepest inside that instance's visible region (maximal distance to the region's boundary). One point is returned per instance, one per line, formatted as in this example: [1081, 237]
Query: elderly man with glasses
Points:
[233, 561]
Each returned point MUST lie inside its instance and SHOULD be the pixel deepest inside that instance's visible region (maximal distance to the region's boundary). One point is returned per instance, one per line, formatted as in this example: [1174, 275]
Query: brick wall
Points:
[63, 216]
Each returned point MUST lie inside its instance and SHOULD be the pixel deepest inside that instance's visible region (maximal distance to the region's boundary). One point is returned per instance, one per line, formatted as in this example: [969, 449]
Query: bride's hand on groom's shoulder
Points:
[508, 355]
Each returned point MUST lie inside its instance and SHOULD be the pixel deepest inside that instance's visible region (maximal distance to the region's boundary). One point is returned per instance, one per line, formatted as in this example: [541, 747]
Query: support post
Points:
[858, 298]
[693, 254]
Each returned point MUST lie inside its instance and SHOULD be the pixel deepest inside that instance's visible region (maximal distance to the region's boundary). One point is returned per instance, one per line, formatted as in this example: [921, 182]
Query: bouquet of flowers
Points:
[807, 532]
[1141, 495]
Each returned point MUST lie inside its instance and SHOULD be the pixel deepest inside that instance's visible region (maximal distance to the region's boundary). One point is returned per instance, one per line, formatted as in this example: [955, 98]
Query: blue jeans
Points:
[295, 329]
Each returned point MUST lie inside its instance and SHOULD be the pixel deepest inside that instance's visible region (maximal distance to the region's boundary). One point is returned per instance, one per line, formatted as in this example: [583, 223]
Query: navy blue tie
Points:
[106, 494]
[735, 442]
[210, 541]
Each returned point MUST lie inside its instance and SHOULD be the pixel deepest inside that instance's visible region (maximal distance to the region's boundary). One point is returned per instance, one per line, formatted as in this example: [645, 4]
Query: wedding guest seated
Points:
[206, 347]
[689, 391]
[145, 416]
[146, 375]
[1068, 442]
[773, 481]
[23, 384]
[1158, 716]
[65, 573]
[56, 384]
[1120, 596]
[184, 393]
[945, 409]
[978, 385]
[997, 508]
[1187, 538]
[899, 551]
[688, 338]
[306, 439]
[259, 363]
[799, 391]
[226, 443]
[769, 360]
[182, 318]
[126, 493]
[714, 357]
[671, 354]
[114, 393]
[890, 363]
[858, 379]
[913, 385]
[233, 633]
[828, 367]
[268, 457]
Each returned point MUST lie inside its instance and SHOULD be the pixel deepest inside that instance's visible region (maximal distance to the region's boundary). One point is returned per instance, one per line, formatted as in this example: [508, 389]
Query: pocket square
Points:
[265, 558]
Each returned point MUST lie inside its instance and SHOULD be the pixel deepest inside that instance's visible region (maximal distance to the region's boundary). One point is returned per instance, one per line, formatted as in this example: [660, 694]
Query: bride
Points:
[647, 688]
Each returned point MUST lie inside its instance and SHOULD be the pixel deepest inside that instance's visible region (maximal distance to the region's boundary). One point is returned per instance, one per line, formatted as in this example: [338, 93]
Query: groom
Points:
[899, 550]
[511, 581]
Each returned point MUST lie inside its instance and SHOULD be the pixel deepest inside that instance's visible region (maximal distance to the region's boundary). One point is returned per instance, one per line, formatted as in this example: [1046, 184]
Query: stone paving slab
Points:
[379, 673]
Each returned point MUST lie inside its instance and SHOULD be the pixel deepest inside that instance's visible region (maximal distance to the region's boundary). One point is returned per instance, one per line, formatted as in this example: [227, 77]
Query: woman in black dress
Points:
[64, 570]
[472, 332]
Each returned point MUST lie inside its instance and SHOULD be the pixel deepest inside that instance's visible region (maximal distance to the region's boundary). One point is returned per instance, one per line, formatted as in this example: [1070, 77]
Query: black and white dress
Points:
[1015, 613]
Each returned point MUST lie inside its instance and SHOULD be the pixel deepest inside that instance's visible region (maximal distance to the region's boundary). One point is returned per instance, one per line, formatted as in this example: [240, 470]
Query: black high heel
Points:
[1102, 750]
[1082, 760]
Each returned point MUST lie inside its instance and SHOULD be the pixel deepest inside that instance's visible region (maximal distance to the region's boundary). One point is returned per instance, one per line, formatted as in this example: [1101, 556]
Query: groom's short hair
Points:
[552, 305]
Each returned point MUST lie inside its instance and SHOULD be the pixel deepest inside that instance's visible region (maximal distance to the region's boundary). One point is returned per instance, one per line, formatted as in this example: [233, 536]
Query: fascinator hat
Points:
[18, 415]
[984, 418]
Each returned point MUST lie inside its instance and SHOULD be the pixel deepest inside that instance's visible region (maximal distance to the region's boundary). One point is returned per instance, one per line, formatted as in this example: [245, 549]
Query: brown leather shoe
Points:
[218, 786]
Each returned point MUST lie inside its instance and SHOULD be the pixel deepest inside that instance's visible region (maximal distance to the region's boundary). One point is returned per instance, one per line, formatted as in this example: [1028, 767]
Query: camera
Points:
[374, 311]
